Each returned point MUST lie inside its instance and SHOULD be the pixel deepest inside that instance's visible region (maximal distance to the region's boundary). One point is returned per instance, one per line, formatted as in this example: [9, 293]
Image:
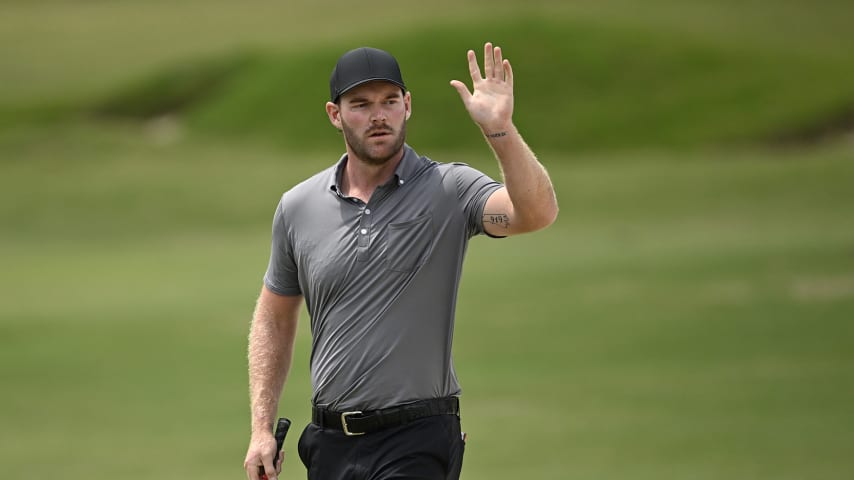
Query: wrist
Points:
[261, 426]
[261, 433]
[497, 131]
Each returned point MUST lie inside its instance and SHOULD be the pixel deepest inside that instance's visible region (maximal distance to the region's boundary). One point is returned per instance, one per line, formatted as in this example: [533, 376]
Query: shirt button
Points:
[400, 181]
[367, 211]
[364, 231]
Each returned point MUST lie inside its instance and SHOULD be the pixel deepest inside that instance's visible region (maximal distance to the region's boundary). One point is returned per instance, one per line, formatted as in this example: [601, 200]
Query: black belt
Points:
[358, 422]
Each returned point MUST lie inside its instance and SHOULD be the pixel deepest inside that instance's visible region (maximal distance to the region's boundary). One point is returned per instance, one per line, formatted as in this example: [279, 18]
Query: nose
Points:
[378, 115]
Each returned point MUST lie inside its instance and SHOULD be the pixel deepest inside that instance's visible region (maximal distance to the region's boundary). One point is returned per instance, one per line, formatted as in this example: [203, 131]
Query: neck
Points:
[361, 178]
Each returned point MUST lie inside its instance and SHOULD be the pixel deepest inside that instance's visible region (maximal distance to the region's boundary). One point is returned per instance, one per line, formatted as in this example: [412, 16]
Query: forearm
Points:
[271, 344]
[528, 184]
[527, 202]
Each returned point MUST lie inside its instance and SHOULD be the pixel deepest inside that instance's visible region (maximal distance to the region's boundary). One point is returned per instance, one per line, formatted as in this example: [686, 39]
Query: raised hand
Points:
[490, 105]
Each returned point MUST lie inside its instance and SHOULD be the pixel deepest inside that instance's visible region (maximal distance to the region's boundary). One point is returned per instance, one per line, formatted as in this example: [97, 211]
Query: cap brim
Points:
[368, 80]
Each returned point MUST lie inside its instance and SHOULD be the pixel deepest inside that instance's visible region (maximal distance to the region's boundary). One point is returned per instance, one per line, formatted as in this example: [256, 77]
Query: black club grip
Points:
[282, 427]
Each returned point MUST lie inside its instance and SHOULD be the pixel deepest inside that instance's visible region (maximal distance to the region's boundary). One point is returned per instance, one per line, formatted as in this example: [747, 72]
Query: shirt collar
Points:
[405, 170]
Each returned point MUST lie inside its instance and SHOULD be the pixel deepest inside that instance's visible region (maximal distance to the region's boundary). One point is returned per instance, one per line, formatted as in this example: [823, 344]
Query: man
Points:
[375, 246]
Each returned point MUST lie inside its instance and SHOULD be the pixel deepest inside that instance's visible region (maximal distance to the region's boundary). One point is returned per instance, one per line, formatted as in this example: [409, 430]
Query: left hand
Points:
[259, 458]
[491, 103]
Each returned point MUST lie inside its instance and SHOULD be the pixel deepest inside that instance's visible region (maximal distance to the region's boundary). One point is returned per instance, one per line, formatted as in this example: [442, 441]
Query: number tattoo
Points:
[500, 219]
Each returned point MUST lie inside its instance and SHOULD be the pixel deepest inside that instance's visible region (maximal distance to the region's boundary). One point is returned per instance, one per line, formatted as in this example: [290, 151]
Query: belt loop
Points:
[317, 417]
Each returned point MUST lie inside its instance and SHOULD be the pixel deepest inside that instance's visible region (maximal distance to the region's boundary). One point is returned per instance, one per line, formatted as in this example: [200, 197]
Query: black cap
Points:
[360, 66]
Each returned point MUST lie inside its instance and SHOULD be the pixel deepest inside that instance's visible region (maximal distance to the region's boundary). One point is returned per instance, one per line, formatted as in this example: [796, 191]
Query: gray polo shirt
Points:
[379, 279]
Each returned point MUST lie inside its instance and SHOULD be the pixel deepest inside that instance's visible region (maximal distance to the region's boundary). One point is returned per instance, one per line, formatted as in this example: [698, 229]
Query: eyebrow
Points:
[358, 99]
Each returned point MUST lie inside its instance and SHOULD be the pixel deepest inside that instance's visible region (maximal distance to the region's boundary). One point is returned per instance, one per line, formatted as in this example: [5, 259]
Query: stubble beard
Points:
[379, 154]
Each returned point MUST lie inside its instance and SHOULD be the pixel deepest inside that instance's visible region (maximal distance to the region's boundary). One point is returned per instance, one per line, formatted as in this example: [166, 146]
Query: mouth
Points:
[379, 134]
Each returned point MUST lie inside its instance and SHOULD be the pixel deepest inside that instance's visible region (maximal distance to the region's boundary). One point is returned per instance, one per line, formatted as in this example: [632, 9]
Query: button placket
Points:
[365, 225]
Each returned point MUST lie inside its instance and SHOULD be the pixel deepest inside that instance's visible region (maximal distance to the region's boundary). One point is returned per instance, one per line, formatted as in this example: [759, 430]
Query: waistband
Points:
[357, 422]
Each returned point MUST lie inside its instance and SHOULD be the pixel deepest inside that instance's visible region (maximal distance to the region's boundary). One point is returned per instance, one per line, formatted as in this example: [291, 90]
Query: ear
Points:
[407, 101]
[333, 111]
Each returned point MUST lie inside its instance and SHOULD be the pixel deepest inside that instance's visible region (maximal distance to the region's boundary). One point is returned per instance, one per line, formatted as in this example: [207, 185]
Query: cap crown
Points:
[360, 66]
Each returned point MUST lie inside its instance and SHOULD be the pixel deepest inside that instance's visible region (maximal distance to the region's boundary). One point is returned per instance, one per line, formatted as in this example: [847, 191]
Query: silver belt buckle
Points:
[344, 423]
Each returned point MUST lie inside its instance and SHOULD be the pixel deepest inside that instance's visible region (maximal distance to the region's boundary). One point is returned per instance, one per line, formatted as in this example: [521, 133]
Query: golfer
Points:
[374, 245]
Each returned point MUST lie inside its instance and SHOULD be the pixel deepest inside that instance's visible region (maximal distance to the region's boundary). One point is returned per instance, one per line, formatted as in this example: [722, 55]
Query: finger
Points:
[462, 89]
[251, 465]
[474, 69]
[488, 61]
[280, 462]
[499, 64]
[508, 73]
[252, 472]
[269, 469]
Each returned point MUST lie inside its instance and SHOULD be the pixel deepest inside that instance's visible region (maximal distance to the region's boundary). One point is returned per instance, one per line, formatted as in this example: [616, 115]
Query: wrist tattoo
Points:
[496, 135]
[499, 219]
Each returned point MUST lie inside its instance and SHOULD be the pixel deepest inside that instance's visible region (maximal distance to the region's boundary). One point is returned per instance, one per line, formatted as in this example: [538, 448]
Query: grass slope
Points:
[577, 87]
[63, 51]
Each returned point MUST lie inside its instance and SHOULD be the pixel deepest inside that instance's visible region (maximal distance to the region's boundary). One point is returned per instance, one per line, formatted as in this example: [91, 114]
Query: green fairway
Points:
[689, 316]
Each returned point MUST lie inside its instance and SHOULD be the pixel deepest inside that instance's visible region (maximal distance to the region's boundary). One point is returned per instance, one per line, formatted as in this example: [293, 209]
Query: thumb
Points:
[462, 89]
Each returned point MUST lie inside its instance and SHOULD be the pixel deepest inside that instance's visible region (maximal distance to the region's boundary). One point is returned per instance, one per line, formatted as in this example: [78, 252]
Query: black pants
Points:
[430, 448]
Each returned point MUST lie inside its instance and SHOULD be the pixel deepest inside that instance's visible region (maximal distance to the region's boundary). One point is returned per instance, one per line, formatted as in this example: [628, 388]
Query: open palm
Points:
[491, 103]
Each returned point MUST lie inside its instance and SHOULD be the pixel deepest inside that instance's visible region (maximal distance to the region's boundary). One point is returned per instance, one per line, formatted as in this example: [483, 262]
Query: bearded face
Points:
[376, 145]
[373, 120]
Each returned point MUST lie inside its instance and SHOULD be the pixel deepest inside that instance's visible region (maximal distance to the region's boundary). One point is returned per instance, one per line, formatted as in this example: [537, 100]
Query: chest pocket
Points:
[408, 243]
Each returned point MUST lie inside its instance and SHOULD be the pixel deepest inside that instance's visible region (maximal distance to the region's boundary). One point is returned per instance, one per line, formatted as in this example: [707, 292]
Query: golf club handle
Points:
[282, 427]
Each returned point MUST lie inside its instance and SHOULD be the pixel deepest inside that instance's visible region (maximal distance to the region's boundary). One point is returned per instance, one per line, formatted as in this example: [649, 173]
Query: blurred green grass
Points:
[621, 88]
[689, 316]
[599, 86]
[58, 48]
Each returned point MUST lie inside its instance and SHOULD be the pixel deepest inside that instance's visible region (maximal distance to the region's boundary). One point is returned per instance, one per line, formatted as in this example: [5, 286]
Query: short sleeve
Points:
[282, 276]
[473, 189]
